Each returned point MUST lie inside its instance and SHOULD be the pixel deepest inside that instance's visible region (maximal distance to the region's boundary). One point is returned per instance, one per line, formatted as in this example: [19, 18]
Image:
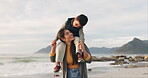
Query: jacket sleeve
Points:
[89, 60]
[52, 57]
[62, 27]
[81, 34]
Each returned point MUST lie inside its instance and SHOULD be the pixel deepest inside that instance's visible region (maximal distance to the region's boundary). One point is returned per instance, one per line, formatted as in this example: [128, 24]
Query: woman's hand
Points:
[53, 46]
[81, 46]
[53, 43]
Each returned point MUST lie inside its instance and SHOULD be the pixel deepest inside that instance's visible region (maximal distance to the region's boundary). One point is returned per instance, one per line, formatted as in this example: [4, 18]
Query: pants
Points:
[61, 47]
[73, 73]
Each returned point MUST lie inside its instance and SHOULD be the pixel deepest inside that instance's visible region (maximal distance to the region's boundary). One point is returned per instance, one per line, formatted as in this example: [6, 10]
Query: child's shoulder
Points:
[70, 18]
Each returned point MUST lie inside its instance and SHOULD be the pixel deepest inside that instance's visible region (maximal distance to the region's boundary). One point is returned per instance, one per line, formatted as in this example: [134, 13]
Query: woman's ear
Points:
[63, 39]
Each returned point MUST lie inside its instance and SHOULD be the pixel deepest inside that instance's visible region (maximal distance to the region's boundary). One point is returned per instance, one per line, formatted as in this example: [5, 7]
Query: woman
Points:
[71, 67]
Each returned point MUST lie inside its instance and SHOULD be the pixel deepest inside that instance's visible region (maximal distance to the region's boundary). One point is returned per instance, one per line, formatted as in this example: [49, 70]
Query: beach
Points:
[40, 67]
[141, 72]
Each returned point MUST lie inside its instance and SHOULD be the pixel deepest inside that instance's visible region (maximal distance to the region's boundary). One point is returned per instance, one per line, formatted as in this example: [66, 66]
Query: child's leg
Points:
[76, 42]
[60, 51]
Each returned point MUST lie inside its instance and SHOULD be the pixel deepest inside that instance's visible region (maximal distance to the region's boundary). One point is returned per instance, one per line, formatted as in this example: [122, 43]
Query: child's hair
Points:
[82, 19]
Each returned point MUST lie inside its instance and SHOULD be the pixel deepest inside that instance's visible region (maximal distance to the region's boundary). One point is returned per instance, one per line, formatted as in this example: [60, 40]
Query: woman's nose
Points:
[71, 33]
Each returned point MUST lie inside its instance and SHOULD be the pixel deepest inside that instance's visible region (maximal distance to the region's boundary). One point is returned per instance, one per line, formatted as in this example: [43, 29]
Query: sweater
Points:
[81, 65]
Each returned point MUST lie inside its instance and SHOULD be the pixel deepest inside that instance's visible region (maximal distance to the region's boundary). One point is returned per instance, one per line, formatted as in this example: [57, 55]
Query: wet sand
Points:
[117, 72]
[140, 72]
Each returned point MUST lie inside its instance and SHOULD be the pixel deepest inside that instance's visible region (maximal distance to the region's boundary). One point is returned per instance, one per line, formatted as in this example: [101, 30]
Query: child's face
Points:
[76, 23]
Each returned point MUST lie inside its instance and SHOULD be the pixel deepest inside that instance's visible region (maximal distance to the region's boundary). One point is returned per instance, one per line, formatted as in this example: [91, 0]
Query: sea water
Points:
[13, 65]
[30, 64]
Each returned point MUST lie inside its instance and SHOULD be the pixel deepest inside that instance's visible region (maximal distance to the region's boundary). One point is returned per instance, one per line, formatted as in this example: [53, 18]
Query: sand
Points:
[140, 72]
[116, 72]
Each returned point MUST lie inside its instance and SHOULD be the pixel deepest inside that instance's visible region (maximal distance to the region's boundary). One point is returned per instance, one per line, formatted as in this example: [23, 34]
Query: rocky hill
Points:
[136, 46]
[102, 50]
[93, 50]
[44, 50]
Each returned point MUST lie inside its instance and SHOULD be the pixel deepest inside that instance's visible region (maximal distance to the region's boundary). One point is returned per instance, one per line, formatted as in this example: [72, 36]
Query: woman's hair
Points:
[72, 47]
[61, 34]
[73, 52]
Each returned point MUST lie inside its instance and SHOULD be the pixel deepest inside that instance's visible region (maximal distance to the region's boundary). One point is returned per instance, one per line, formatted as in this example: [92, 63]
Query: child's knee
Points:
[61, 44]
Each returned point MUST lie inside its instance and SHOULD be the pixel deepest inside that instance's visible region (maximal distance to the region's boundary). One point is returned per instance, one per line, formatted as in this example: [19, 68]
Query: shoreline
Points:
[111, 71]
[103, 67]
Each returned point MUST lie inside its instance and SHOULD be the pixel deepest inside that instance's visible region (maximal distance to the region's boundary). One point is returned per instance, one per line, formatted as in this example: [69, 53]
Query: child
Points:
[75, 25]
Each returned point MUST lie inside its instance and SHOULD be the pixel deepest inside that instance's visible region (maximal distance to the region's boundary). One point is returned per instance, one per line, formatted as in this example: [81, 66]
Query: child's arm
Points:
[81, 34]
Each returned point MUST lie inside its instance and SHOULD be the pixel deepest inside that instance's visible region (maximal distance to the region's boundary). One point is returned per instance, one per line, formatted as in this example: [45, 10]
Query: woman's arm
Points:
[52, 53]
[86, 54]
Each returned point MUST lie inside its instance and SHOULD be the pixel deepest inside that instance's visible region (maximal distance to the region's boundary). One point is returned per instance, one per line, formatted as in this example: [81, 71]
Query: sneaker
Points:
[57, 68]
[81, 60]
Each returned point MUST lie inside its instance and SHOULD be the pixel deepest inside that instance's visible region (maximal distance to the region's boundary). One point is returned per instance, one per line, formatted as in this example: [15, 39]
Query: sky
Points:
[29, 25]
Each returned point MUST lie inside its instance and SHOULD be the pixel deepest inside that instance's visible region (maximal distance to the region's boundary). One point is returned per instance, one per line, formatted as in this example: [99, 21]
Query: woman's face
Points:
[68, 36]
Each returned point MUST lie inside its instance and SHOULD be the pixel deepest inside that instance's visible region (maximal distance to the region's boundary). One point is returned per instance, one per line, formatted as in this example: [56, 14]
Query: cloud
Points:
[28, 25]
[112, 42]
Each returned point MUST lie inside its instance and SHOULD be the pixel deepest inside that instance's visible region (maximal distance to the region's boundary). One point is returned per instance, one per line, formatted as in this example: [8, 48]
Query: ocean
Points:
[30, 64]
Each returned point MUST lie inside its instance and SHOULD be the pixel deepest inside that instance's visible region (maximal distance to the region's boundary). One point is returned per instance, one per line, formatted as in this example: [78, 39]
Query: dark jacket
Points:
[76, 31]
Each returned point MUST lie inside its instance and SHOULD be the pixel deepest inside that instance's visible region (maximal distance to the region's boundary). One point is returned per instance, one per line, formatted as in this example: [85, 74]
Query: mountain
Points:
[102, 50]
[93, 50]
[136, 46]
[44, 50]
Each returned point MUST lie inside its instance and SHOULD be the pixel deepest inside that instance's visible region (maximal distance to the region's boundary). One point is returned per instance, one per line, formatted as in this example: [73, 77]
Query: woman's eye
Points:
[66, 33]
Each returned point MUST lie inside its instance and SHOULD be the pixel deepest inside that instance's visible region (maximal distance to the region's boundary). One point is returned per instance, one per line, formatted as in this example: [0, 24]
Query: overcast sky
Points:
[29, 25]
